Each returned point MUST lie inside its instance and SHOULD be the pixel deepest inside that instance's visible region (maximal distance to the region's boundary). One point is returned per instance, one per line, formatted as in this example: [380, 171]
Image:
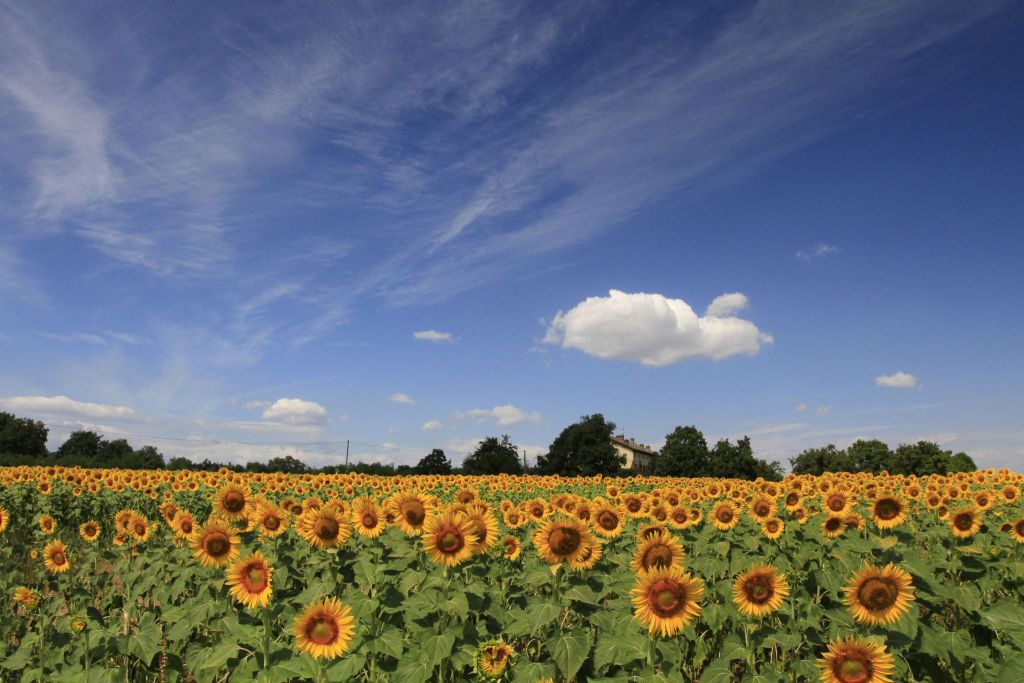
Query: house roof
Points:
[633, 445]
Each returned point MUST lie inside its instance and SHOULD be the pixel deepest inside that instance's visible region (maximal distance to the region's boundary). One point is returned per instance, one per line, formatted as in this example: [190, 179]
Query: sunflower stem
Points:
[266, 638]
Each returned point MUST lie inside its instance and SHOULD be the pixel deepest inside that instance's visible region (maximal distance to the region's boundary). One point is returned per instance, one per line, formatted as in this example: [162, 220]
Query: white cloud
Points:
[254, 405]
[402, 398]
[296, 411]
[432, 425]
[433, 336]
[897, 380]
[343, 417]
[801, 407]
[817, 251]
[505, 415]
[62, 405]
[655, 330]
[822, 410]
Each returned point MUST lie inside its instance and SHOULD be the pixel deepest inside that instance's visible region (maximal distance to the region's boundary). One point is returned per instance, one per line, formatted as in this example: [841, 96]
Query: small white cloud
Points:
[256, 405]
[817, 251]
[432, 426]
[898, 380]
[295, 411]
[343, 417]
[505, 415]
[655, 330]
[62, 405]
[433, 336]
[801, 407]
[822, 410]
[402, 398]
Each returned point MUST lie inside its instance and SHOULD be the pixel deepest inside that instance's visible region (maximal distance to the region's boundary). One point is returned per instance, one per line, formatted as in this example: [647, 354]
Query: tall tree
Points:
[83, 443]
[685, 454]
[961, 462]
[817, 461]
[22, 436]
[435, 462]
[868, 456]
[583, 449]
[921, 458]
[493, 457]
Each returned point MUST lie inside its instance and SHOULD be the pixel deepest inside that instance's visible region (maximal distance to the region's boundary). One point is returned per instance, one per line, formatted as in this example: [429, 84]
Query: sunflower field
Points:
[113, 575]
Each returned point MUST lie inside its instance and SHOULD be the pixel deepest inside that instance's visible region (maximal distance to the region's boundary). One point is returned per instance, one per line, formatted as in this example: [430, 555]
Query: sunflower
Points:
[833, 527]
[485, 528]
[608, 521]
[759, 590]
[1017, 530]
[837, 502]
[122, 518]
[448, 538]
[269, 520]
[183, 525]
[879, 596]
[514, 518]
[324, 629]
[666, 600]
[850, 660]
[888, 512]
[366, 518]
[965, 522]
[249, 580]
[4, 519]
[230, 502]
[139, 529]
[725, 515]
[26, 596]
[55, 557]
[657, 552]
[562, 540]
[762, 508]
[323, 527]
[492, 658]
[47, 524]
[412, 510]
[679, 517]
[592, 553]
[90, 530]
[511, 548]
[773, 528]
[215, 543]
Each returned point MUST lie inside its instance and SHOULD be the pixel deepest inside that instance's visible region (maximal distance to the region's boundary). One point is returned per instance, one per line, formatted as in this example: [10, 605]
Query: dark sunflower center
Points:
[724, 515]
[90, 529]
[255, 579]
[326, 529]
[852, 669]
[564, 541]
[510, 546]
[963, 521]
[216, 544]
[758, 589]
[833, 523]
[140, 528]
[772, 525]
[186, 526]
[762, 509]
[633, 505]
[322, 630]
[1019, 527]
[271, 523]
[666, 598]
[657, 556]
[450, 540]
[369, 519]
[414, 512]
[836, 503]
[878, 594]
[58, 558]
[234, 501]
[792, 499]
[887, 508]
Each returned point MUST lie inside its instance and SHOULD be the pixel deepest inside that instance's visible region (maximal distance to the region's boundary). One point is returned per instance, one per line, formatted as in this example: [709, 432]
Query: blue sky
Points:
[224, 224]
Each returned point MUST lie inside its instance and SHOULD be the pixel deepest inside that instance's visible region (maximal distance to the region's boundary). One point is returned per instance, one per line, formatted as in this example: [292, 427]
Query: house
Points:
[639, 456]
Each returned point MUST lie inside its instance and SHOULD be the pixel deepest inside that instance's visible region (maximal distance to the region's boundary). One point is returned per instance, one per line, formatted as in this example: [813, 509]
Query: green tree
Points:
[22, 436]
[817, 461]
[493, 457]
[737, 461]
[685, 454]
[287, 464]
[961, 462]
[83, 444]
[179, 463]
[436, 462]
[583, 449]
[117, 453]
[868, 456]
[921, 458]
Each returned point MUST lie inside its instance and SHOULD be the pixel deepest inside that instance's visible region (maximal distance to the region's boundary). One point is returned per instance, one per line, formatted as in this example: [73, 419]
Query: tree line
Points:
[584, 448]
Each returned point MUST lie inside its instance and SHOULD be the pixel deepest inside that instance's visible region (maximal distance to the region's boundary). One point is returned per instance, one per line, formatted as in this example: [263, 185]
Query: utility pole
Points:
[346, 455]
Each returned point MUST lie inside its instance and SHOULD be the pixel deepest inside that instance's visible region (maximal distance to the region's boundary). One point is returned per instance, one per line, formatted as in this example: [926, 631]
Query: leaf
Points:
[23, 655]
[413, 671]
[389, 642]
[717, 672]
[714, 615]
[459, 605]
[529, 672]
[733, 649]
[212, 658]
[145, 642]
[619, 649]
[348, 668]
[437, 648]
[569, 651]
[1006, 618]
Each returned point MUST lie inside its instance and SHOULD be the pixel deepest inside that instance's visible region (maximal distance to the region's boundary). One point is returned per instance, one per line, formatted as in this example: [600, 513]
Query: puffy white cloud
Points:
[433, 336]
[897, 380]
[432, 425]
[655, 330]
[817, 251]
[402, 398]
[296, 411]
[505, 415]
[62, 405]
